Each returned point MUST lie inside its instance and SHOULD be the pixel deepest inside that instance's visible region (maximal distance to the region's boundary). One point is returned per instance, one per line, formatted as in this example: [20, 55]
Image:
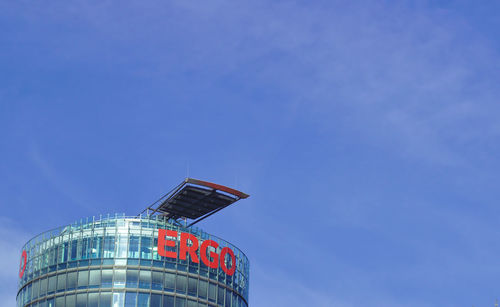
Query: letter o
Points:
[224, 251]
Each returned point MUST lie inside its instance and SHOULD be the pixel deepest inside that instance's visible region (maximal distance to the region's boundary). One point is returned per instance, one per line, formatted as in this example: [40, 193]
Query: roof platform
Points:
[195, 200]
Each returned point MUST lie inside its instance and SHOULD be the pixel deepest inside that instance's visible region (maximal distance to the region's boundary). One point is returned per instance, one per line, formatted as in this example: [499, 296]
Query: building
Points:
[153, 259]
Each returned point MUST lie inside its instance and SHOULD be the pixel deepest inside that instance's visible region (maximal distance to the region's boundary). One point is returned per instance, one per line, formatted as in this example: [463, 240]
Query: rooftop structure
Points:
[195, 200]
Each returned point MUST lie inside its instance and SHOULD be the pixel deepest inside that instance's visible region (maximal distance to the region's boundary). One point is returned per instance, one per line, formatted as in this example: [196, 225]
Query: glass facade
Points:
[113, 262]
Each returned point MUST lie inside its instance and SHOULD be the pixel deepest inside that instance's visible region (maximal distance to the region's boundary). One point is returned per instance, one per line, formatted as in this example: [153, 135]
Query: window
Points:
[122, 246]
[81, 300]
[109, 247]
[120, 278]
[94, 278]
[105, 299]
[52, 284]
[130, 299]
[133, 247]
[155, 300]
[181, 284]
[118, 299]
[71, 280]
[192, 286]
[93, 300]
[212, 290]
[146, 247]
[71, 300]
[132, 278]
[106, 279]
[168, 301]
[143, 300]
[145, 279]
[43, 287]
[169, 283]
[157, 281]
[202, 289]
[83, 279]
[220, 296]
[180, 302]
[35, 289]
[61, 282]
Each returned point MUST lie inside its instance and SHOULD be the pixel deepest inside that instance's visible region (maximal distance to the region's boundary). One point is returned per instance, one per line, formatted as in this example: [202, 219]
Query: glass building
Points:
[113, 261]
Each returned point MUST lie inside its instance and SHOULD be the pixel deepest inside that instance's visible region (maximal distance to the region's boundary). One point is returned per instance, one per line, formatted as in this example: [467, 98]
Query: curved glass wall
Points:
[113, 261]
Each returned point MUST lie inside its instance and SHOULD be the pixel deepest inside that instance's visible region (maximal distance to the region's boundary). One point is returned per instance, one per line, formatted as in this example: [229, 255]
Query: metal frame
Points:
[184, 207]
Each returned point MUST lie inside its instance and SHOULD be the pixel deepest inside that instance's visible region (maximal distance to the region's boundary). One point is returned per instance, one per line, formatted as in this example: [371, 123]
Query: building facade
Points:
[119, 261]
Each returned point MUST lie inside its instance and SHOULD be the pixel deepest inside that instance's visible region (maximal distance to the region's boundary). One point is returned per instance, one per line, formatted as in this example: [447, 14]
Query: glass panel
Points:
[122, 246]
[132, 278]
[155, 300]
[169, 281]
[180, 302]
[192, 303]
[96, 248]
[181, 284]
[35, 289]
[106, 279]
[202, 289]
[145, 279]
[133, 248]
[143, 300]
[146, 247]
[71, 280]
[130, 299]
[212, 290]
[71, 301]
[43, 287]
[52, 284]
[109, 247]
[105, 299]
[220, 296]
[94, 278]
[168, 301]
[192, 286]
[74, 245]
[60, 301]
[120, 278]
[118, 299]
[228, 298]
[81, 300]
[83, 279]
[157, 281]
[61, 282]
[93, 300]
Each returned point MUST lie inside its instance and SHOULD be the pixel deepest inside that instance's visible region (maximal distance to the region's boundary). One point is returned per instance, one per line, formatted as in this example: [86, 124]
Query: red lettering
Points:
[203, 254]
[163, 242]
[223, 252]
[191, 249]
[22, 265]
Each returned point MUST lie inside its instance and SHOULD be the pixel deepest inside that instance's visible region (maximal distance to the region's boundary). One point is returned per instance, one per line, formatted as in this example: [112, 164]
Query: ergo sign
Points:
[185, 249]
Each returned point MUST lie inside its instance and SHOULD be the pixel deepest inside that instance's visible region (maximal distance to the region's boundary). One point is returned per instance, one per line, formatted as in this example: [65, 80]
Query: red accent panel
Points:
[217, 187]
[163, 242]
[191, 249]
[203, 254]
[224, 251]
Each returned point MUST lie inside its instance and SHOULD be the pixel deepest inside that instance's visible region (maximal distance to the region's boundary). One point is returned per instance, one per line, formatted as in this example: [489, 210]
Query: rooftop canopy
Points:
[194, 199]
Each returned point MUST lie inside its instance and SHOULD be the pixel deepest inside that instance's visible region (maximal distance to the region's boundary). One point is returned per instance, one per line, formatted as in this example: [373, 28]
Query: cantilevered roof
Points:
[195, 199]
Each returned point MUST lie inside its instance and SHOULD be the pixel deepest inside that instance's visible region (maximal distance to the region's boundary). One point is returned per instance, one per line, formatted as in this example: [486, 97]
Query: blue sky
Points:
[367, 134]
